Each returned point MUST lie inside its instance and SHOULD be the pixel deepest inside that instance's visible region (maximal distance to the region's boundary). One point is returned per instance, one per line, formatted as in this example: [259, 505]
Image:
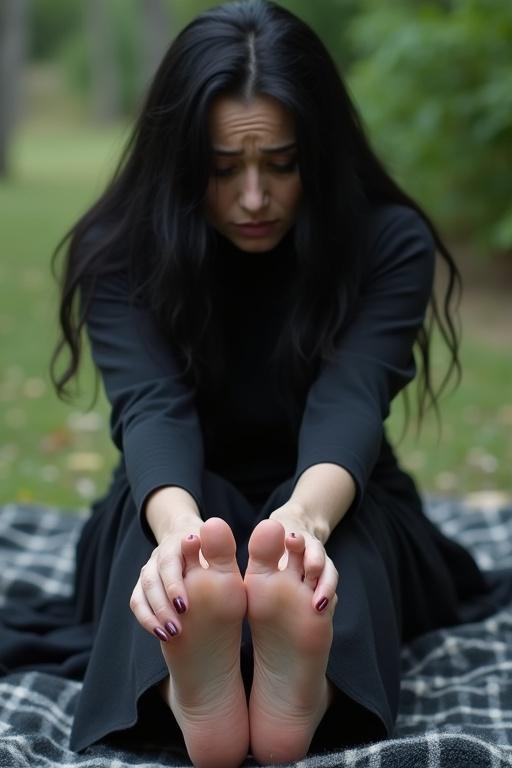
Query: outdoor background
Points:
[433, 82]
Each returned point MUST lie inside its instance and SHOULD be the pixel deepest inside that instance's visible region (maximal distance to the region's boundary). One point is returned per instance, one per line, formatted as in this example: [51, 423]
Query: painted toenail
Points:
[179, 604]
[171, 628]
[191, 536]
[322, 604]
[160, 634]
[293, 535]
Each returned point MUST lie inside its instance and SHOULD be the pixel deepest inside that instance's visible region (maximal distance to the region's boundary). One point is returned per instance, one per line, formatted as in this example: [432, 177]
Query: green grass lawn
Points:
[59, 454]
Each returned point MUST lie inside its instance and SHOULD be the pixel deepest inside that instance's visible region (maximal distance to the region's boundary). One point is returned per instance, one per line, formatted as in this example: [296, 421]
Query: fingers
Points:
[307, 556]
[160, 597]
[314, 562]
[324, 594]
[163, 626]
[295, 546]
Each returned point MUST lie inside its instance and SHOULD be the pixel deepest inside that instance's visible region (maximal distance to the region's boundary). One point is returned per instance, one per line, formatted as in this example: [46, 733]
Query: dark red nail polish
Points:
[293, 535]
[160, 634]
[190, 536]
[179, 604]
[322, 604]
[171, 628]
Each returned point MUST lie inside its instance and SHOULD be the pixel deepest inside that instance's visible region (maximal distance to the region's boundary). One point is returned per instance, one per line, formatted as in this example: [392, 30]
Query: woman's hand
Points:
[159, 596]
[319, 570]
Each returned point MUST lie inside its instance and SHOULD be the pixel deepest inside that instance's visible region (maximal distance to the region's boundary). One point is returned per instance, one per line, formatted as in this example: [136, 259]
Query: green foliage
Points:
[434, 85]
[51, 23]
[74, 57]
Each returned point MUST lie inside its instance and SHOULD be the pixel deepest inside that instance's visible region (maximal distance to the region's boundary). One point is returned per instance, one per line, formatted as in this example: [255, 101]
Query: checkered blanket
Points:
[456, 701]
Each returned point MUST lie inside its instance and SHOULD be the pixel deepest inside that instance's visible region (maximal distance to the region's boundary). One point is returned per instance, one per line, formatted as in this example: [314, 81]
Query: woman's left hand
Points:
[319, 570]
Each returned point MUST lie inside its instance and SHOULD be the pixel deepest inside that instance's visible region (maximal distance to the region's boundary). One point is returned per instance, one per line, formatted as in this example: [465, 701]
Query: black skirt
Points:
[399, 577]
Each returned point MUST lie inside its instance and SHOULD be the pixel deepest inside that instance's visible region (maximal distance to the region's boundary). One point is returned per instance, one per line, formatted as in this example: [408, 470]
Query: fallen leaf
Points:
[57, 440]
[84, 462]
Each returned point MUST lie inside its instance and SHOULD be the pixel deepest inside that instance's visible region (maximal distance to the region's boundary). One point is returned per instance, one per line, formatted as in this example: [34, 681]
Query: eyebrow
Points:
[264, 150]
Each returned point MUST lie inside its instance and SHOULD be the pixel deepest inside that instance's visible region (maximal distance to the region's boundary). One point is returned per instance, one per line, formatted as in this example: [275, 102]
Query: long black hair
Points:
[150, 219]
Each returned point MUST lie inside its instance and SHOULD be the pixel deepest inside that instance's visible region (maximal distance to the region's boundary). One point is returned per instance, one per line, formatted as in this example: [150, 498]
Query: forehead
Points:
[237, 123]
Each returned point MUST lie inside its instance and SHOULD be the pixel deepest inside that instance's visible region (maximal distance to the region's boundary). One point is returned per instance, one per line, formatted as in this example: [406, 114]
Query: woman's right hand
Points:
[159, 597]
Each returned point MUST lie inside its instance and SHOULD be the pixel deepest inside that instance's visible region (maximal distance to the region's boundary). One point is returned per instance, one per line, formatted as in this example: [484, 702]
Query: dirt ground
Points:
[486, 307]
[487, 316]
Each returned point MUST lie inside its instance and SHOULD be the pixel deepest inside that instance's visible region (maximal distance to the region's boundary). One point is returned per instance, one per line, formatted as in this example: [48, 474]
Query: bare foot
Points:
[291, 640]
[206, 692]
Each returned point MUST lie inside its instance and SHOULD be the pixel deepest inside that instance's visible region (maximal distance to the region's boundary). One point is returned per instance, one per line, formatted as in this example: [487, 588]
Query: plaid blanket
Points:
[456, 701]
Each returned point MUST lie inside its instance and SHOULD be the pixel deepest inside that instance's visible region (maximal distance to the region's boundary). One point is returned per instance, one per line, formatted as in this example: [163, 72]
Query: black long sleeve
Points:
[350, 398]
[153, 418]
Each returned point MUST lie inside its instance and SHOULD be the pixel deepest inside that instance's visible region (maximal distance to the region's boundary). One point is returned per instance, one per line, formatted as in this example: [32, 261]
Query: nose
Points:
[253, 196]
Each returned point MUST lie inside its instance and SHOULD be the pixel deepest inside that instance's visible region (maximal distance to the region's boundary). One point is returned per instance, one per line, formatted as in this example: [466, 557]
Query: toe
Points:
[218, 545]
[295, 545]
[266, 546]
[190, 550]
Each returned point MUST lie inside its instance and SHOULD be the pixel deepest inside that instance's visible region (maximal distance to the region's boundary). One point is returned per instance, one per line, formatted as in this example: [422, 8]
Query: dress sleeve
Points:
[349, 400]
[153, 419]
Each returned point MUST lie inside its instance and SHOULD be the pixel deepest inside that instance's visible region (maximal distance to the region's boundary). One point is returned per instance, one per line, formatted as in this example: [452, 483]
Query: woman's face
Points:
[254, 188]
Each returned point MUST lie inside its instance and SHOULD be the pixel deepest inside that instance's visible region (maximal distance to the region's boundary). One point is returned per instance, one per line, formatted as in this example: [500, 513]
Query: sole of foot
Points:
[291, 641]
[206, 691]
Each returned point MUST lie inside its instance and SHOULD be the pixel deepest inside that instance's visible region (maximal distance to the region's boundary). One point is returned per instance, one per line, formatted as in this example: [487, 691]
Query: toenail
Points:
[179, 604]
[160, 634]
[293, 535]
[171, 628]
[322, 604]
[191, 536]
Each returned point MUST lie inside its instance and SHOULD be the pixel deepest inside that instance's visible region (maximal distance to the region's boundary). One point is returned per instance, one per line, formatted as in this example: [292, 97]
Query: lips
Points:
[256, 229]
[255, 223]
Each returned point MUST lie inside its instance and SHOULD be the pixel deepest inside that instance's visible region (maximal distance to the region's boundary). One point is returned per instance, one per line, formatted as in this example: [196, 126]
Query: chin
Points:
[257, 244]
[260, 245]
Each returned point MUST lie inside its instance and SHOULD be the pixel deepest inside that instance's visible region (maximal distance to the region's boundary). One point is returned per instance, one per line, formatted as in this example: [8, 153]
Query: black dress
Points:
[240, 459]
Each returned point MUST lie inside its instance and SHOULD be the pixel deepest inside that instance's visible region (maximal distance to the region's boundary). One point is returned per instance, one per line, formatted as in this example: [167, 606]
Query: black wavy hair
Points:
[153, 204]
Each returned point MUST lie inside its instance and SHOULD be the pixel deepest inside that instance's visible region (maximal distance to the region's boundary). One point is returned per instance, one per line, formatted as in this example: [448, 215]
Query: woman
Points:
[252, 283]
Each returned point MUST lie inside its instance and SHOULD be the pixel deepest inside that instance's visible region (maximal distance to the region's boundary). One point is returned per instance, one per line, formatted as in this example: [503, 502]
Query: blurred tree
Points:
[331, 21]
[104, 61]
[156, 28]
[53, 22]
[13, 38]
[434, 84]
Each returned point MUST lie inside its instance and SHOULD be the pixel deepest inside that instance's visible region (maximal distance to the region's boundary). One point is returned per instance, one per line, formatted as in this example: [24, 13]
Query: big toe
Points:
[218, 545]
[266, 547]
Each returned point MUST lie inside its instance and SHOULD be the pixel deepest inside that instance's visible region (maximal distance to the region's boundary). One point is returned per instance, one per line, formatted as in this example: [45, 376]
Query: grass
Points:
[58, 454]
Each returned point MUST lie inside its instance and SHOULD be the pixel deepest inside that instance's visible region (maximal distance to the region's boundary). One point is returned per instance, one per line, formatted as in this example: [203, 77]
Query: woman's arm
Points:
[320, 499]
[169, 509]
[153, 418]
[350, 399]
[342, 425]
[155, 425]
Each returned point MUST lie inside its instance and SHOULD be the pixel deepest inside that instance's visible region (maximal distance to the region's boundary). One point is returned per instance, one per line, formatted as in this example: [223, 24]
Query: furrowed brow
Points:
[264, 150]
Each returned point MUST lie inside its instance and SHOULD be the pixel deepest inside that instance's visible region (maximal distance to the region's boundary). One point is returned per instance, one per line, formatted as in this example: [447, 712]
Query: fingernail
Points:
[160, 634]
[179, 604]
[171, 628]
[322, 604]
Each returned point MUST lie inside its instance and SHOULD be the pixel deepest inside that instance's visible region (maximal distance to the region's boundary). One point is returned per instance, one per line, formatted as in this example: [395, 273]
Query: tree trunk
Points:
[154, 38]
[13, 17]
[105, 76]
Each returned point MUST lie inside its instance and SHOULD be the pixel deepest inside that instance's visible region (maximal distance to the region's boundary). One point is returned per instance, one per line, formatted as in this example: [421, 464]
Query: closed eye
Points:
[288, 167]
